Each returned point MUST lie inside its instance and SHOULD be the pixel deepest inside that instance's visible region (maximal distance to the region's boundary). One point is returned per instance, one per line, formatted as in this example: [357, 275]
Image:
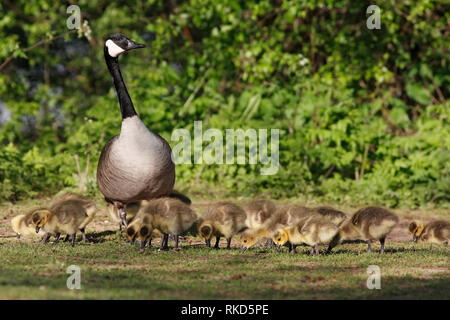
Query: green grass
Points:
[113, 269]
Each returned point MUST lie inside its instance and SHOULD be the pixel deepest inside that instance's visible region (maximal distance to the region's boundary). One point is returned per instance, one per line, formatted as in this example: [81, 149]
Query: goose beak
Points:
[243, 249]
[134, 45]
[415, 238]
[37, 229]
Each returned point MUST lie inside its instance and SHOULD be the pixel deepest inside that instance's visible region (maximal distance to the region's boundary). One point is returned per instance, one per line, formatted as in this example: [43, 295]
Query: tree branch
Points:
[39, 43]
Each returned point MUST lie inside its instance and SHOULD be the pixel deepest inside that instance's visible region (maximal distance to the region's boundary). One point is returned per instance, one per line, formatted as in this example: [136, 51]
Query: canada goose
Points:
[168, 215]
[67, 217]
[335, 216]
[23, 226]
[434, 232]
[136, 164]
[312, 230]
[221, 219]
[370, 223]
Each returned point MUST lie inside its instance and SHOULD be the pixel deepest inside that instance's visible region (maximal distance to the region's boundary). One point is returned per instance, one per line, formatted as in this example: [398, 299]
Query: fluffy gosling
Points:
[67, 216]
[312, 230]
[168, 215]
[335, 216]
[23, 226]
[282, 218]
[434, 232]
[369, 224]
[223, 219]
[131, 209]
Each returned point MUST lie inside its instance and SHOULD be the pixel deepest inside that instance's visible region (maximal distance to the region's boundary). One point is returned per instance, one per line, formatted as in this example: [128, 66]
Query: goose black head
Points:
[118, 43]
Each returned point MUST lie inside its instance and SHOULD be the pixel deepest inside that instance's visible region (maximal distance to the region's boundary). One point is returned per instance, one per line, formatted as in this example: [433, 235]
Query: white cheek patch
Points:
[113, 49]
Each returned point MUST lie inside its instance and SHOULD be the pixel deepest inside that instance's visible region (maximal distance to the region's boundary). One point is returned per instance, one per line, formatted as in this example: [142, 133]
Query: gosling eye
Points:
[245, 241]
[279, 239]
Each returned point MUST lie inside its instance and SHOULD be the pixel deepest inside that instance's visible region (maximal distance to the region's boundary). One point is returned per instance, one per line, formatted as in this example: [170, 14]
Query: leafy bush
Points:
[363, 114]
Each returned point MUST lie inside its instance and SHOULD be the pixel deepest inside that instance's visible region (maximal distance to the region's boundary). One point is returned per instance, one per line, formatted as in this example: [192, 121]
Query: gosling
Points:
[131, 209]
[67, 216]
[335, 216]
[284, 217]
[23, 226]
[223, 219]
[434, 232]
[312, 230]
[368, 224]
[167, 215]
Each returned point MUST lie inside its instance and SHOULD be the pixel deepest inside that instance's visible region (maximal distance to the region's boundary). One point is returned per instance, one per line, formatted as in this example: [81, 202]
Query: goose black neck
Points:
[126, 105]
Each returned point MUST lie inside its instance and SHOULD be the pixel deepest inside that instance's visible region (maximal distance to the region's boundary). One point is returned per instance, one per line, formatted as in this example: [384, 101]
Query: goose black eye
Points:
[245, 240]
[279, 239]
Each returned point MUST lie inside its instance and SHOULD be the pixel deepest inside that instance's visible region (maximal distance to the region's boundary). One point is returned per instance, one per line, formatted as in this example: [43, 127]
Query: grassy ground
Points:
[113, 269]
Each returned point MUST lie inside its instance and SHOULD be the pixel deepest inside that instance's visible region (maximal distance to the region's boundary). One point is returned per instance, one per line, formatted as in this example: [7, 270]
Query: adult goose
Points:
[137, 163]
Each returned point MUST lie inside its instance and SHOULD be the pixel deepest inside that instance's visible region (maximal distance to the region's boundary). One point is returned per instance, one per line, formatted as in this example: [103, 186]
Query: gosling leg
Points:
[228, 243]
[57, 238]
[66, 238]
[369, 250]
[216, 246]
[83, 234]
[176, 242]
[73, 240]
[317, 249]
[45, 238]
[382, 245]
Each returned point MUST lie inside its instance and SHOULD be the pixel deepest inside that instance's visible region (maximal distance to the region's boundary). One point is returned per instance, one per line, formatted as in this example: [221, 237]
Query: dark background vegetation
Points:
[364, 114]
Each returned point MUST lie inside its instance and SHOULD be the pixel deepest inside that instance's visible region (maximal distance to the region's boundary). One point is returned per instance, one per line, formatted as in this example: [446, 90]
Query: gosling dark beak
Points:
[142, 245]
[17, 236]
[133, 240]
[37, 229]
[243, 249]
[208, 243]
[415, 238]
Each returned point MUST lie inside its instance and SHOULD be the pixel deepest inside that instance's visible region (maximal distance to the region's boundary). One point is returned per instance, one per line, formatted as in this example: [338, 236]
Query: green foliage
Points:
[363, 114]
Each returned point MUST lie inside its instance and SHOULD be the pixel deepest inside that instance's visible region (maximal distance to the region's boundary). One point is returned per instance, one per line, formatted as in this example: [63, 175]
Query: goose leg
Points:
[123, 216]
[66, 238]
[149, 242]
[216, 246]
[176, 242]
[369, 250]
[382, 245]
[73, 240]
[208, 243]
[57, 238]
[228, 243]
